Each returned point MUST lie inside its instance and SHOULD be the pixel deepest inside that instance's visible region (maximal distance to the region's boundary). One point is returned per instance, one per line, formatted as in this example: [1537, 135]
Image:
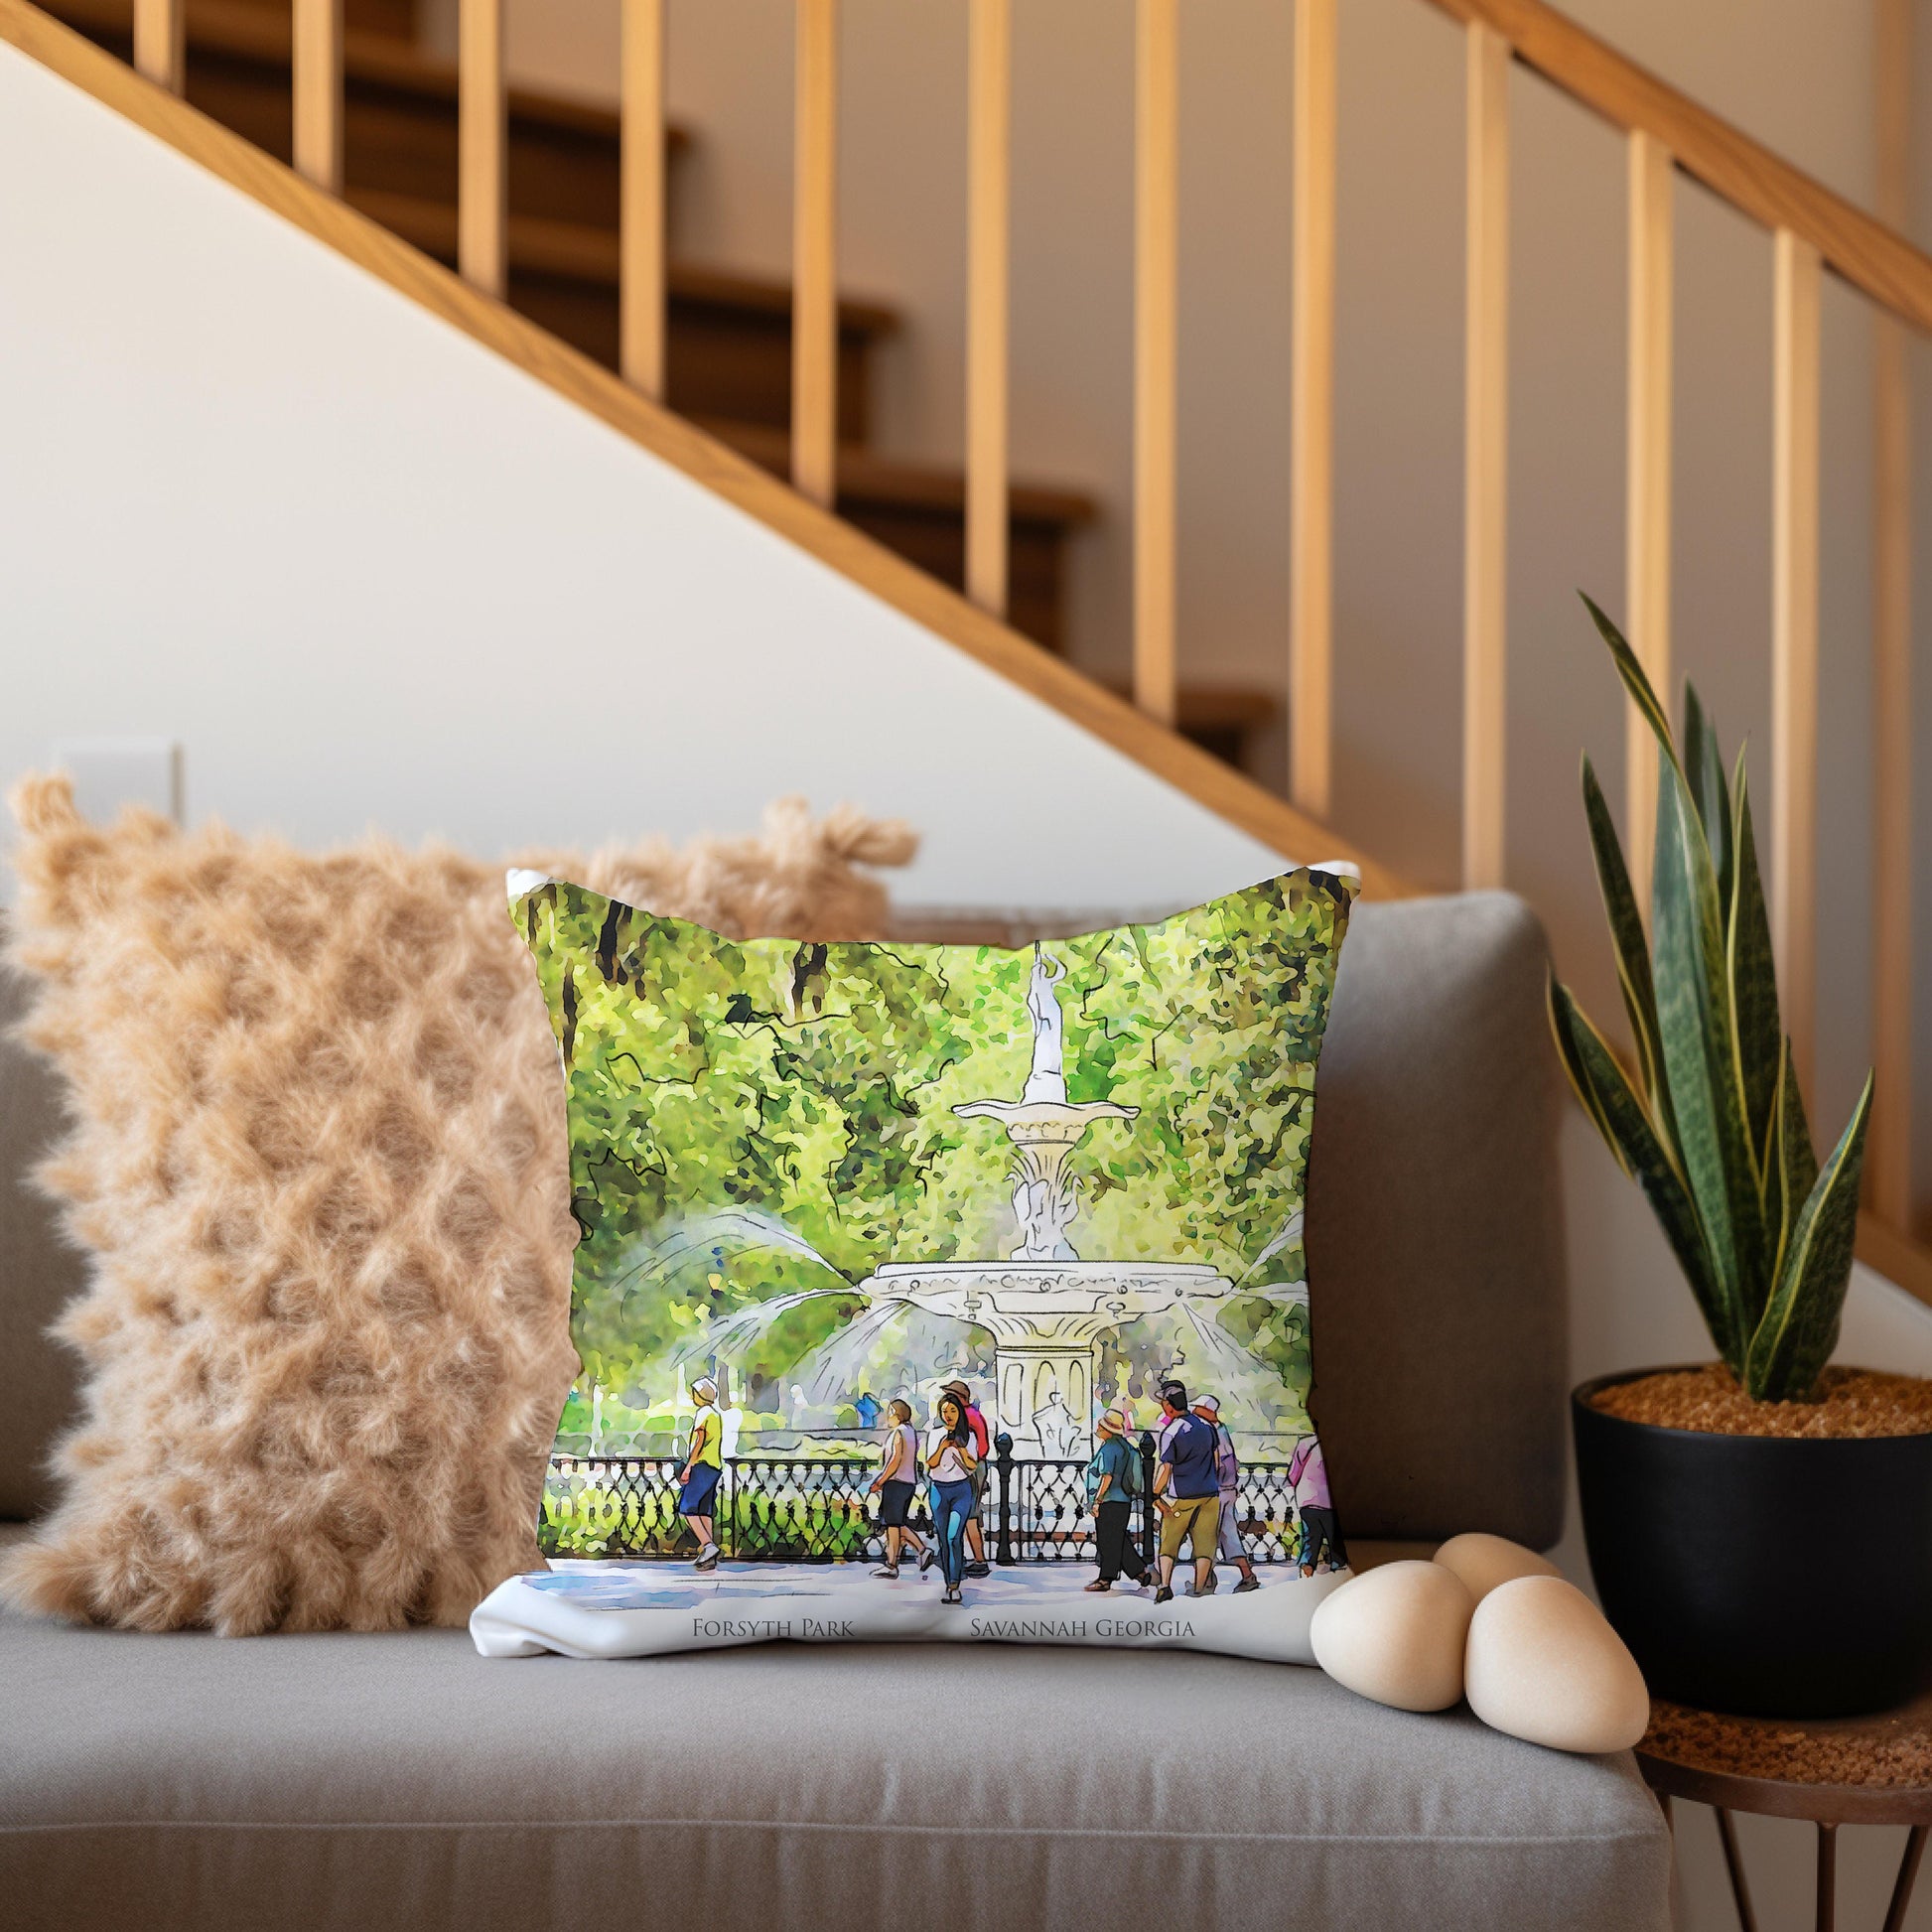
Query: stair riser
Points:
[401, 143]
[719, 362]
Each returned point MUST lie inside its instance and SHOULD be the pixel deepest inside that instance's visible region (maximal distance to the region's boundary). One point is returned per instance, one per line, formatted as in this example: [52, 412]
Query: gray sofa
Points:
[150, 1782]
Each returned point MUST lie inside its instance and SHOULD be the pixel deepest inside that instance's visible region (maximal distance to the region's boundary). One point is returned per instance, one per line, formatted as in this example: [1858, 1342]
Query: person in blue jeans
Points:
[950, 1462]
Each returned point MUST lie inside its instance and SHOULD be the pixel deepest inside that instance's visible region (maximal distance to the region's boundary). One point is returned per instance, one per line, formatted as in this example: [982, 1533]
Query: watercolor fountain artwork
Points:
[1046, 1306]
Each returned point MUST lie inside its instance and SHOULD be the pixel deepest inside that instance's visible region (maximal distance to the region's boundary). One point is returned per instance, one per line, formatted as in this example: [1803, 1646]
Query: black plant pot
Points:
[1775, 1576]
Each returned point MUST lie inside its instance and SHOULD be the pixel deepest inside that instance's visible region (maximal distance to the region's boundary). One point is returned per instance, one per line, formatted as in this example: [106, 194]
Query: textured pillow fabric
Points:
[907, 1258]
[314, 1156]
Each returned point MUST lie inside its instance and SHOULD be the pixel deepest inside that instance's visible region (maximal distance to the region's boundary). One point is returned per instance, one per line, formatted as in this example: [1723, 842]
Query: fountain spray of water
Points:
[694, 1242]
[728, 1335]
[838, 1367]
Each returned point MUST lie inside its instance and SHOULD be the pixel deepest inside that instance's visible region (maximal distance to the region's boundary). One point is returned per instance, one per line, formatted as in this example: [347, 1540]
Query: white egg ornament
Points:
[1483, 1561]
[1396, 1635]
[1543, 1665]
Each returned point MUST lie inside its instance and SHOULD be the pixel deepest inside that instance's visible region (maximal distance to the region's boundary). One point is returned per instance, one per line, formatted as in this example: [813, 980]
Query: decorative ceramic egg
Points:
[1396, 1633]
[1483, 1562]
[1543, 1664]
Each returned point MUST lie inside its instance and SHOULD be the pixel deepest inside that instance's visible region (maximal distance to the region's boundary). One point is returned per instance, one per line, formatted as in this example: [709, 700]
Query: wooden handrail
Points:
[1872, 257]
[1195, 773]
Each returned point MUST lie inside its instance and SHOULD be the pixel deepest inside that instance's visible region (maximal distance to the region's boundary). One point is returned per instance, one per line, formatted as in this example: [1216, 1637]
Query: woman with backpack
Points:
[950, 1462]
[1113, 1481]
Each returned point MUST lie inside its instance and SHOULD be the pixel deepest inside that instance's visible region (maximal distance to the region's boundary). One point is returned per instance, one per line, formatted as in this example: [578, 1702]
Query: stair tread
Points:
[864, 476]
[256, 33]
[586, 253]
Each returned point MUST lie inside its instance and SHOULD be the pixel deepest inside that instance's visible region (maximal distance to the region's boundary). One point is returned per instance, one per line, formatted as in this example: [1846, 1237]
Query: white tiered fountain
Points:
[1044, 1306]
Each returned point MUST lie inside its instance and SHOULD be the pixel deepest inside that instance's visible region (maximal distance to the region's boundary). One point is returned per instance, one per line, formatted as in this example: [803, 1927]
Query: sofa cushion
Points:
[1436, 1227]
[398, 1780]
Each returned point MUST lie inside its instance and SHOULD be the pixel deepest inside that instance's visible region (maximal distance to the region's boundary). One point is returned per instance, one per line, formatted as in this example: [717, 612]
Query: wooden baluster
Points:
[1485, 434]
[161, 42]
[640, 201]
[1311, 429]
[814, 252]
[1794, 640]
[1647, 467]
[1156, 260]
[1888, 1152]
[317, 88]
[989, 97]
[483, 206]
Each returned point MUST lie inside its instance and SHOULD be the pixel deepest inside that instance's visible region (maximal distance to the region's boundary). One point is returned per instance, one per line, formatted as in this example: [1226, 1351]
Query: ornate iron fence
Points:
[812, 1509]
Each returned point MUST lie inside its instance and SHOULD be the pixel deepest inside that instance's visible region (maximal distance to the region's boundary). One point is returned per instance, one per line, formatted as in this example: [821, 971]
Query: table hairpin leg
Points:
[1740, 1891]
[1902, 1892]
[1827, 1920]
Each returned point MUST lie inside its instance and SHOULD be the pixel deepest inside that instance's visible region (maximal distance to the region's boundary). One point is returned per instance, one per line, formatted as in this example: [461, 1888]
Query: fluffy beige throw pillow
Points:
[317, 1154]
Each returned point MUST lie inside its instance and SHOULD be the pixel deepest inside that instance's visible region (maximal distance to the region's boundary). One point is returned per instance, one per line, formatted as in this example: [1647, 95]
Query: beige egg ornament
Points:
[1483, 1561]
[1542, 1664]
[1397, 1635]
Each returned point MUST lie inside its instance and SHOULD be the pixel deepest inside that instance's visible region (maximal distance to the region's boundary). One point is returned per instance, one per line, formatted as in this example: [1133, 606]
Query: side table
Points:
[1874, 1770]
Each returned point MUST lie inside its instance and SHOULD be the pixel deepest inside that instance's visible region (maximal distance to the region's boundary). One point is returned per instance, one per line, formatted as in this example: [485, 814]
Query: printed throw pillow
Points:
[936, 1291]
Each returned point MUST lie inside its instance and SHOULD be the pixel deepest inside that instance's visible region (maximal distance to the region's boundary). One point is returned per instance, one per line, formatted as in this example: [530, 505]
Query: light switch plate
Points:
[109, 772]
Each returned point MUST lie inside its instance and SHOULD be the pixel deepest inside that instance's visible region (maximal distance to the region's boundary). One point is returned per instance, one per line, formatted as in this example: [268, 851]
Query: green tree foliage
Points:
[752, 1119]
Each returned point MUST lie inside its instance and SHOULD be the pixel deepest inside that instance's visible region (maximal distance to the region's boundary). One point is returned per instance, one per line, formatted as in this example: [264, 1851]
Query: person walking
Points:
[950, 1462]
[704, 1465]
[1308, 1483]
[1113, 1481]
[1227, 1473]
[976, 1563]
[1186, 1492]
[896, 1483]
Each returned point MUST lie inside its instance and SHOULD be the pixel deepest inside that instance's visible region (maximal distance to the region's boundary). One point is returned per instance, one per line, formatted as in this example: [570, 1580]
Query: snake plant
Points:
[1712, 1126]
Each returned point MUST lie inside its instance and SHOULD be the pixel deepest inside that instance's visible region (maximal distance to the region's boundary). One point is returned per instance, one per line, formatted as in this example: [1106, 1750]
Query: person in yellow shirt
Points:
[704, 1465]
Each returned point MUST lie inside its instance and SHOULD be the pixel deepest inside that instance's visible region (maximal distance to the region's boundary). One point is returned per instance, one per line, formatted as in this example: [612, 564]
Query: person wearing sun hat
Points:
[1113, 1481]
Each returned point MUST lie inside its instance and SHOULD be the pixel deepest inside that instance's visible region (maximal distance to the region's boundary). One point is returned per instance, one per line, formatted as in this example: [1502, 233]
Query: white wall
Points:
[367, 573]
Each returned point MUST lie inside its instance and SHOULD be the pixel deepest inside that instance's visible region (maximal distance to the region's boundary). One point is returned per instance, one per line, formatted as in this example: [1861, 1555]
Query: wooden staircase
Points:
[729, 336]
[899, 530]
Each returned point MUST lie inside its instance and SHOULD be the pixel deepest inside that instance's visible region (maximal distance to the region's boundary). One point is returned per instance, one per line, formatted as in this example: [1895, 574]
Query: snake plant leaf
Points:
[1693, 1023]
[1636, 681]
[1704, 767]
[1631, 947]
[1759, 1041]
[1799, 1330]
[1625, 1125]
[1794, 1167]
[1564, 1016]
